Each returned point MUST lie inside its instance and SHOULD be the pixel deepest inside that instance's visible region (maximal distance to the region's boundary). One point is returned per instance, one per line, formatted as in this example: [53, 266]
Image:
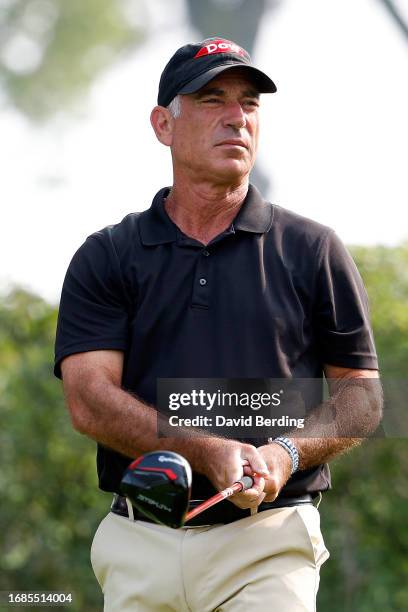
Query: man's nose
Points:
[234, 116]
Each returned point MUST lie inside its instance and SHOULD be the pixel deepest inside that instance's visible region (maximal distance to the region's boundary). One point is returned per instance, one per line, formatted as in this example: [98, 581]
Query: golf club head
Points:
[159, 485]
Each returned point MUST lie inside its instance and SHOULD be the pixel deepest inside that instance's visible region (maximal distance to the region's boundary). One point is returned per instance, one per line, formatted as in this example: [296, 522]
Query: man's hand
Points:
[279, 465]
[227, 461]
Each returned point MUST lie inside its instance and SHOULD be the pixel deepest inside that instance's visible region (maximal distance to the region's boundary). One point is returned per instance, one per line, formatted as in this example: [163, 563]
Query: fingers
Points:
[254, 460]
[255, 466]
[243, 501]
[280, 466]
[251, 498]
[231, 460]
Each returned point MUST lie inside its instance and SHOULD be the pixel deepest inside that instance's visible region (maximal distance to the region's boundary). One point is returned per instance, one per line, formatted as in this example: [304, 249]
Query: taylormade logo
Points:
[153, 502]
[164, 459]
[221, 46]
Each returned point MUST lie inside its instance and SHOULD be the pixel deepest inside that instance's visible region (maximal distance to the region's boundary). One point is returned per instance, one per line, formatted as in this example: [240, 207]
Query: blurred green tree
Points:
[52, 50]
[50, 504]
[364, 516]
[385, 273]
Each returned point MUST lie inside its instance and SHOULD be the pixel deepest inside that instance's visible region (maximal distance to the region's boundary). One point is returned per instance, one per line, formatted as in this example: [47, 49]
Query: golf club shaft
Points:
[241, 485]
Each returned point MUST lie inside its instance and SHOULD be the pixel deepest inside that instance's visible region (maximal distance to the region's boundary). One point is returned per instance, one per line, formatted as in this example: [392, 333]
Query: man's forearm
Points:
[315, 451]
[103, 411]
[352, 414]
[118, 420]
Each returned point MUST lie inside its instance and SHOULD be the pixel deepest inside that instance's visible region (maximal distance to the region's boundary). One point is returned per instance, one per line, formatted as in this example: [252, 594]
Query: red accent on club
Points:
[241, 485]
[135, 463]
[169, 473]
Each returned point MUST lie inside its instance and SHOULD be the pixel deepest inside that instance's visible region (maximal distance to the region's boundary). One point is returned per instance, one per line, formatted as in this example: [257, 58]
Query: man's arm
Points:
[351, 414]
[103, 411]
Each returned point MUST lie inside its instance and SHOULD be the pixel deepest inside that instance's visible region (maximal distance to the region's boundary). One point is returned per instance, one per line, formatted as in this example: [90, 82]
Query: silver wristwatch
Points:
[289, 448]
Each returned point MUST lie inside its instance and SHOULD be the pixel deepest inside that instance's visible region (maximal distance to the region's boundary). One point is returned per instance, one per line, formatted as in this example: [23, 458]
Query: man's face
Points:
[216, 135]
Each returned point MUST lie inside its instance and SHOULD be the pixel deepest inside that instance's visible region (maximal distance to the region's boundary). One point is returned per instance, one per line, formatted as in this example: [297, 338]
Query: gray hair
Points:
[175, 107]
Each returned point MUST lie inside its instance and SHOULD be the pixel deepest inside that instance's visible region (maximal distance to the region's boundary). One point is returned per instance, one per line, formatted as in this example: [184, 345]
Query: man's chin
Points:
[231, 171]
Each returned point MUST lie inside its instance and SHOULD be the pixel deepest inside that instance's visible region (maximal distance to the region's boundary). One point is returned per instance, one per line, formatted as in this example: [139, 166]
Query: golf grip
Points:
[241, 485]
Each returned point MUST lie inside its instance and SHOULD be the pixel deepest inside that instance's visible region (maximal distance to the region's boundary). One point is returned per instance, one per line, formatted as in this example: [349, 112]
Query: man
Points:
[213, 282]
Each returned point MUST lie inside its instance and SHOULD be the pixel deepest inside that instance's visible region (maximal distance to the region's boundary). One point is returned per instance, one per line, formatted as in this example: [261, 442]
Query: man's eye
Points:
[253, 103]
[211, 101]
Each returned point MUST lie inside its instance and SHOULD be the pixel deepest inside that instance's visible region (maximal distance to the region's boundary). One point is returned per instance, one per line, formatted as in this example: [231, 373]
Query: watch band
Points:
[290, 448]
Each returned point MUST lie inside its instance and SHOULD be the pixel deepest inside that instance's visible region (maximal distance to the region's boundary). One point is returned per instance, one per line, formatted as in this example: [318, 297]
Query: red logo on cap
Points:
[221, 46]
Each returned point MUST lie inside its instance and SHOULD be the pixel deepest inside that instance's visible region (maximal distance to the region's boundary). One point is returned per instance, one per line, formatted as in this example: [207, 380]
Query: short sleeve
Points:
[93, 312]
[341, 312]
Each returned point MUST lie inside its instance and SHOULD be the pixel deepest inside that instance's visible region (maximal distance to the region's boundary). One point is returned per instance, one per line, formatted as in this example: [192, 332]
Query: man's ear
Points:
[162, 122]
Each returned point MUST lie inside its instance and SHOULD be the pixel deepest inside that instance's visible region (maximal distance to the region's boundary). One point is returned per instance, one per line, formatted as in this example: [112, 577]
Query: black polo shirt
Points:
[275, 296]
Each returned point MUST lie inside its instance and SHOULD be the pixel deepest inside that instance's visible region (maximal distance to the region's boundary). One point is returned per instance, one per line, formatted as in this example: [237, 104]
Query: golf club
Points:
[158, 484]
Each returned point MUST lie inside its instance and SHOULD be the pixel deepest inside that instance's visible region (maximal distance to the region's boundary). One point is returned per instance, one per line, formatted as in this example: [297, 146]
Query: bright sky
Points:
[334, 138]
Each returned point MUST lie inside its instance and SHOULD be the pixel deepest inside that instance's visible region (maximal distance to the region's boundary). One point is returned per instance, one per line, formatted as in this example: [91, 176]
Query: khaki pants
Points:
[266, 562]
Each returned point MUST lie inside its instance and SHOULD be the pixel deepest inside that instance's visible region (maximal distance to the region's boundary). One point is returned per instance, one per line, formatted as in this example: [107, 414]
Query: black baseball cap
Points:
[195, 64]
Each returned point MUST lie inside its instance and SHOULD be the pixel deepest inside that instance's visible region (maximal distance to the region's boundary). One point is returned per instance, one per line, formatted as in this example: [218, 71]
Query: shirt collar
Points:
[156, 227]
[255, 215]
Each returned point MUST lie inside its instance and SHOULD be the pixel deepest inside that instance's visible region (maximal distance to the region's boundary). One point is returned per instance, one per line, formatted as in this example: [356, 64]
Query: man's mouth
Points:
[232, 142]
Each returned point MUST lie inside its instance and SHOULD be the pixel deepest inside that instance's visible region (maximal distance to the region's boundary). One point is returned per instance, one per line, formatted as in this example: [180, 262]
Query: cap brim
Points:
[261, 80]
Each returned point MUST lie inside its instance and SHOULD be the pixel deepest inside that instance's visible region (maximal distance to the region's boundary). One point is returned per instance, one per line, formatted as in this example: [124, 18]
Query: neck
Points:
[202, 211]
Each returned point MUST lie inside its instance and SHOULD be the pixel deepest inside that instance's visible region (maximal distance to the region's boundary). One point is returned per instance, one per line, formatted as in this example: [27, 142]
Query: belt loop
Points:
[130, 510]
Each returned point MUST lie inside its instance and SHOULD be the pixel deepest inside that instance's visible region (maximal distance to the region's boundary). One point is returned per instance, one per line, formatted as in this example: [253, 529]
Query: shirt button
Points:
[206, 253]
[203, 281]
